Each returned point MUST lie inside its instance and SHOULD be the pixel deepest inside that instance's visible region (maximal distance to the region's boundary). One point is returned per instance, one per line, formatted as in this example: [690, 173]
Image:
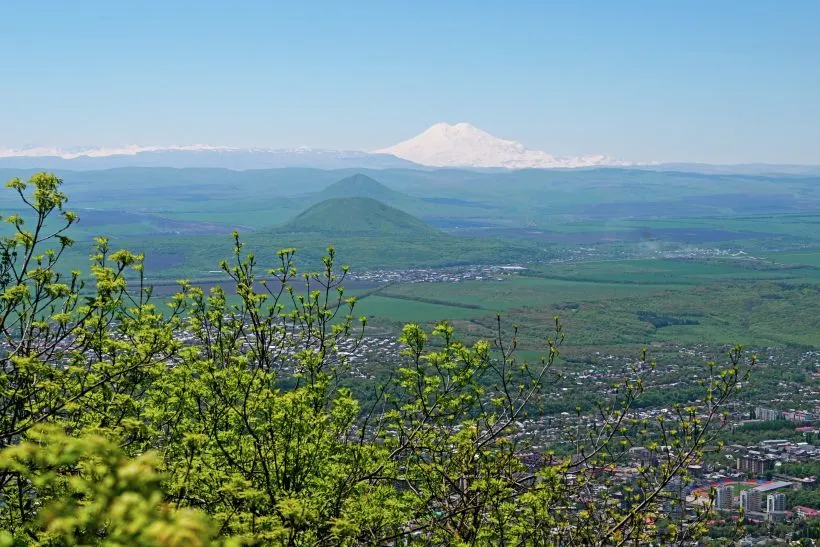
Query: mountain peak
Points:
[461, 127]
[458, 131]
[359, 179]
[465, 145]
[359, 215]
[360, 185]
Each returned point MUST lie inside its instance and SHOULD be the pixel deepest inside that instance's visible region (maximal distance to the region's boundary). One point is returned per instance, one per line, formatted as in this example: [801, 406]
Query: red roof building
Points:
[806, 512]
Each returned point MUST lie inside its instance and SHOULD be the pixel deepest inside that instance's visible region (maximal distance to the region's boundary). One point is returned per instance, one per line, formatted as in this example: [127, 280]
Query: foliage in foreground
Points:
[210, 422]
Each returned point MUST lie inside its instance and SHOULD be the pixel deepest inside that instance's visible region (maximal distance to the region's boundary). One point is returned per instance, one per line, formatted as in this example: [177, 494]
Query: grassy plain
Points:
[693, 304]
[415, 311]
[807, 258]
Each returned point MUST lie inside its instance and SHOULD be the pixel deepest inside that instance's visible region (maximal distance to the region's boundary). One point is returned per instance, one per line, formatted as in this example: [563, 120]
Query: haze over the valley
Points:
[461, 145]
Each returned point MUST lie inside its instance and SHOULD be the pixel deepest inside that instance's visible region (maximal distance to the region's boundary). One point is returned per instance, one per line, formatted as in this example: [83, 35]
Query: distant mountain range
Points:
[461, 146]
[197, 156]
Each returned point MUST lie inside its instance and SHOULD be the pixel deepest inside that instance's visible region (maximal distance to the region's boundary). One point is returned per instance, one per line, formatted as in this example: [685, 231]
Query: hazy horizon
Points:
[726, 83]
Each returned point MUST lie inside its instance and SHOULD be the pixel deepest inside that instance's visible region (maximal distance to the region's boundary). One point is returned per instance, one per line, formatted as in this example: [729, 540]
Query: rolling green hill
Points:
[361, 216]
[391, 218]
[371, 235]
[557, 200]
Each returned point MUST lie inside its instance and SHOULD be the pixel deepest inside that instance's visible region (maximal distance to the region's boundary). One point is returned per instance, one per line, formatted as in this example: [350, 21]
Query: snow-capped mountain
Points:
[91, 152]
[464, 145]
[194, 156]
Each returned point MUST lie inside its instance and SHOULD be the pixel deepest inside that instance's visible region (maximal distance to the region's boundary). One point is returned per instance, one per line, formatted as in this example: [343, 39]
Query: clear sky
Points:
[721, 81]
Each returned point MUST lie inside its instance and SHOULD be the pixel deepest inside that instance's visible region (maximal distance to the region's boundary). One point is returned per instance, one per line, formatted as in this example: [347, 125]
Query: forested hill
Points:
[359, 215]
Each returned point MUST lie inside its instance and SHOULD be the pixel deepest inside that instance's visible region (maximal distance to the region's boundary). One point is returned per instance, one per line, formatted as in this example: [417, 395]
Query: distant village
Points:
[475, 272]
[437, 275]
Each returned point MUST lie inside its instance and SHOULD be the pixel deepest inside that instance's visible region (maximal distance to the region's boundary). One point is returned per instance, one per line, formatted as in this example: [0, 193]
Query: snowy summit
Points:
[464, 145]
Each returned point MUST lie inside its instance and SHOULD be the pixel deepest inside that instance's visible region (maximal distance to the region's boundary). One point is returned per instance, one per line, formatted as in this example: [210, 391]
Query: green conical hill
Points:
[358, 215]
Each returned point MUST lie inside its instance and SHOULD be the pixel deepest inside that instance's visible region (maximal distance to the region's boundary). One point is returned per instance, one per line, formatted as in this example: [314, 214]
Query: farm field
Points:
[516, 292]
[698, 305]
[677, 272]
[807, 258]
[415, 311]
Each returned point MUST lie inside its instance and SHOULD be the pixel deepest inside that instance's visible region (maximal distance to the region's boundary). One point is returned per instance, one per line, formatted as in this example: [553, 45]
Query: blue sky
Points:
[715, 81]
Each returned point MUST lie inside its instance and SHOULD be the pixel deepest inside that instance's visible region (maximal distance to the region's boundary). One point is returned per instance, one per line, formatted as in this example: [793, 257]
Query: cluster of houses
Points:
[355, 354]
[436, 275]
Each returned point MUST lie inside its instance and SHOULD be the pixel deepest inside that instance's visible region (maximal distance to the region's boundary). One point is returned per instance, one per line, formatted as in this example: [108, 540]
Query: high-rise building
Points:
[642, 456]
[725, 498]
[751, 501]
[768, 414]
[754, 465]
[776, 503]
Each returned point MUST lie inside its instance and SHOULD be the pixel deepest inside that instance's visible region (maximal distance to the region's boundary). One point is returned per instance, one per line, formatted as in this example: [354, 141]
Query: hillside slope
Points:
[358, 215]
[362, 186]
